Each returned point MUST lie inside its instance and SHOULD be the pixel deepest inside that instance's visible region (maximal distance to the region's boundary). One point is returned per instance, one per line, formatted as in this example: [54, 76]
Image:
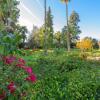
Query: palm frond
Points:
[65, 1]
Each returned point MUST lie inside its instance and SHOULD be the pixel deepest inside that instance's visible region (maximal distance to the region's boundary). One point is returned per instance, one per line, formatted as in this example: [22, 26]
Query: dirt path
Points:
[94, 58]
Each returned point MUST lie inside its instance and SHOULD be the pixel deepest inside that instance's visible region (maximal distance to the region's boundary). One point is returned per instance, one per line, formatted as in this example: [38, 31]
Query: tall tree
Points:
[68, 35]
[50, 31]
[74, 28]
[45, 28]
[23, 30]
[36, 39]
[9, 12]
[31, 39]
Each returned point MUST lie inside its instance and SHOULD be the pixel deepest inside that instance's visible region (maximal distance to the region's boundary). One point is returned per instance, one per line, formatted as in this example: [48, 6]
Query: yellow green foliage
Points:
[85, 44]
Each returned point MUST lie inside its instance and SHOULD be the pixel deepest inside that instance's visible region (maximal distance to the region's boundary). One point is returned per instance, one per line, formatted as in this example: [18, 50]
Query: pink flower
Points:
[28, 70]
[31, 78]
[3, 95]
[21, 61]
[13, 58]
[20, 65]
[9, 60]
[11, 87]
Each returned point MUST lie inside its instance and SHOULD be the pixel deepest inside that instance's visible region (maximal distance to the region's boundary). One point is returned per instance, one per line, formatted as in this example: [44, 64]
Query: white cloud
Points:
[27, 17]
[30, 12]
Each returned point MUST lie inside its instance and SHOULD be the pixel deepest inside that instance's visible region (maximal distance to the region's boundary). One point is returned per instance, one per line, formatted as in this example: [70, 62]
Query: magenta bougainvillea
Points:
[31, 78]
[3, 95]
[11, 87]
[8, 60]
[20, 63]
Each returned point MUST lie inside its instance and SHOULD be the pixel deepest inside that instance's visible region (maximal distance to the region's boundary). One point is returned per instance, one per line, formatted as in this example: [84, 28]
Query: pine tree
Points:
[50, 31]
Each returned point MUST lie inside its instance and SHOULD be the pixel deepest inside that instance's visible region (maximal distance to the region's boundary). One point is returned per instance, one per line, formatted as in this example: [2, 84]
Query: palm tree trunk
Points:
[68, 35]
[45, 32]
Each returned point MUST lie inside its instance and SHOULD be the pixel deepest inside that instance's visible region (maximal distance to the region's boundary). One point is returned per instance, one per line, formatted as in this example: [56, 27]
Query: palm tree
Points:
[45, 28]
[68, 34]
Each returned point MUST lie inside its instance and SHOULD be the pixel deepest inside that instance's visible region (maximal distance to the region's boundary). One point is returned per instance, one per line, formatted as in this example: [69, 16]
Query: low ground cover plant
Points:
[64, 76]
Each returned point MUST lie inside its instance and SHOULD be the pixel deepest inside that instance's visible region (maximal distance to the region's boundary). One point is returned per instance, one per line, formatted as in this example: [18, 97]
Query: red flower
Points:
[13, 58]
[3, 95]
[21, 61]
[9, 60]
[20, 65]
[28, 70]
[31, 78]
[11, 87]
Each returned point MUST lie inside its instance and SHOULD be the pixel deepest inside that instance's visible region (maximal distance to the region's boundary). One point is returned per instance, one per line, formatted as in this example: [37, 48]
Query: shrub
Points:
[15, 78]
[79, 84]
[82, 84]
[66, 77]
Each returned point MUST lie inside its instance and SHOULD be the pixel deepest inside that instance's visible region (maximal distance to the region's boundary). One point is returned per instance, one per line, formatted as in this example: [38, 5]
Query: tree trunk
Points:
[68, 35]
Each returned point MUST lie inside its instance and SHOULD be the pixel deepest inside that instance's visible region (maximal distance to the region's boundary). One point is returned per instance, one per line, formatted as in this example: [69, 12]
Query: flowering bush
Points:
[2, 95]
[8, 60]
[31, 78]
[14, 75]
[11, 87]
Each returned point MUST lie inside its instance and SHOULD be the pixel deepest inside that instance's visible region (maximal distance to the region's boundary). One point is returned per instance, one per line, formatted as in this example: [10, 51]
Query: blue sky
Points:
[32, 12]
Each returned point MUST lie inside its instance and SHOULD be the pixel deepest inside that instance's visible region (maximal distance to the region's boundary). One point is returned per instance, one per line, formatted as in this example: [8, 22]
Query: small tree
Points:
[57, 38]
[99, 44]
[95, 44]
